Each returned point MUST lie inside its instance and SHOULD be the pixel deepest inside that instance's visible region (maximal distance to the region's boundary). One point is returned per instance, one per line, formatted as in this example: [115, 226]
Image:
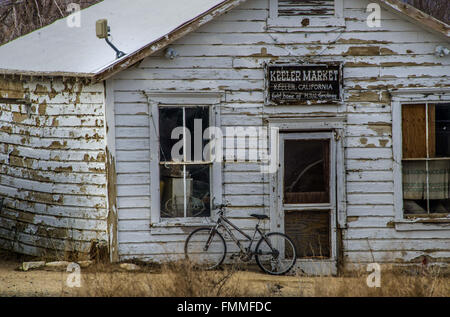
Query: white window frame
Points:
[401, 97]
[314, 20]
[155, 100]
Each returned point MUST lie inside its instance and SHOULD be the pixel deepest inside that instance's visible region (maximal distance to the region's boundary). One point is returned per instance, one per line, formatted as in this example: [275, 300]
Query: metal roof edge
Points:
[163, 41]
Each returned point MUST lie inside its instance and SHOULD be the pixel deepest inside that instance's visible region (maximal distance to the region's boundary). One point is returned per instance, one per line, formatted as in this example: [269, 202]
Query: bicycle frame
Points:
[220, 224]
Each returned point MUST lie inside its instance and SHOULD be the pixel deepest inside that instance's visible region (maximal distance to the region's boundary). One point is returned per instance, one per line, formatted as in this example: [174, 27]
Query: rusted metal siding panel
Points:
[52, 166]
[223, 57]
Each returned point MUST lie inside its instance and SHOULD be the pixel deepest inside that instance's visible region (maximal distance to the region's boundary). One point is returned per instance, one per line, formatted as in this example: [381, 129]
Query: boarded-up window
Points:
[305, 7]
[426, 158]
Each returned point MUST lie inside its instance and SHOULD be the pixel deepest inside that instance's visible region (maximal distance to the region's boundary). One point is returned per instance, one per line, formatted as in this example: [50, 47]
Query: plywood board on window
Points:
[414, 131]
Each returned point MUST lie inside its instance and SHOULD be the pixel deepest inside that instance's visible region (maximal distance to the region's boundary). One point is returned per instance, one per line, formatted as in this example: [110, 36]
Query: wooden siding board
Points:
[52, 165]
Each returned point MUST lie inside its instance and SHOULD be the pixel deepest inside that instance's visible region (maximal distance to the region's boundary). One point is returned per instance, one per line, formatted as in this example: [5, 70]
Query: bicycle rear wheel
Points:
[275, 253]
[205, 248]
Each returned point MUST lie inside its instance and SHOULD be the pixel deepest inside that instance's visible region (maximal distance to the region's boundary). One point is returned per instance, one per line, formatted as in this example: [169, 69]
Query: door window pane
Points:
[310, 231]
[306, 171]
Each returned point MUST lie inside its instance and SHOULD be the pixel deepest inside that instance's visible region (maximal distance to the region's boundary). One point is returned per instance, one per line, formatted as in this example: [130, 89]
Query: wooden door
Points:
[307, 192]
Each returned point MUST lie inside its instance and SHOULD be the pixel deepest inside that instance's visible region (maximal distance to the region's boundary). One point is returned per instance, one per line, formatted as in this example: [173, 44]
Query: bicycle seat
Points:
[260, 217]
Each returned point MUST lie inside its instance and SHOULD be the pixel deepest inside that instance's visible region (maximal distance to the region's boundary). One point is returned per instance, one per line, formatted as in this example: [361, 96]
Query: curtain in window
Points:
[415, 179]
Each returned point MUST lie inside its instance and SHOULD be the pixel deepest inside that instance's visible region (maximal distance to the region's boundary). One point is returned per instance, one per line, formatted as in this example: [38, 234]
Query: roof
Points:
[419, 17]
[58, 50]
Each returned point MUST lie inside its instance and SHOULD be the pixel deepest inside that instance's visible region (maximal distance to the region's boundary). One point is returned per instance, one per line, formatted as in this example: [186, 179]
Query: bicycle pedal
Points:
[233, 255]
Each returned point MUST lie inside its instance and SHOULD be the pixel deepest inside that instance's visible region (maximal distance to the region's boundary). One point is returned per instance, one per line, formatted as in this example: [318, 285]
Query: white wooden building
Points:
[363, 172]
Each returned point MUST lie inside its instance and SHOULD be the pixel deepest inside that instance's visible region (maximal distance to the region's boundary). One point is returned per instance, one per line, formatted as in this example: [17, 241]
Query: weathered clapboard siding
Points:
[317, 7]
[52, 166]
[227, 55]
[371, 236]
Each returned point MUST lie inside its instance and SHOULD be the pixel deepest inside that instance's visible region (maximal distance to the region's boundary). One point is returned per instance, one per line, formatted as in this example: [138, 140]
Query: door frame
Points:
[333, 127]
[331, 206]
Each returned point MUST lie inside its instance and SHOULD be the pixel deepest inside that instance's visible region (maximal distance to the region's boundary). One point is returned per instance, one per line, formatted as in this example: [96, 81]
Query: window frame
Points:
[399, 98]
[180, 99]
[337, 20]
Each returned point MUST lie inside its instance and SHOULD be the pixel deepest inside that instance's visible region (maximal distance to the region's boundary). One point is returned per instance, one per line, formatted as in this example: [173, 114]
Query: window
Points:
[426, 158]
[185, 180]
[184, 174]
[306, 13]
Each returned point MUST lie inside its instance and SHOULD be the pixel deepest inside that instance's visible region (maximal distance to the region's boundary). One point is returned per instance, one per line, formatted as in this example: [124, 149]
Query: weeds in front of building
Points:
[180, 279]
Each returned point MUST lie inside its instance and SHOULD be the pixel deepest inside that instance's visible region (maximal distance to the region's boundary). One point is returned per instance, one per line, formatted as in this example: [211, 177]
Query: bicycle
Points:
[275, 252]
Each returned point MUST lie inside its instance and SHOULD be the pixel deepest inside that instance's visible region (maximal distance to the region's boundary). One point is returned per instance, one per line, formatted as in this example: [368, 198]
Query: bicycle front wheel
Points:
[275, 253]
[205, 248]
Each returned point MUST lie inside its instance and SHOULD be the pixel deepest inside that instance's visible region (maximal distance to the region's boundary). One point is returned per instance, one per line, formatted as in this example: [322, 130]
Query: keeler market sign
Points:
[301, 84]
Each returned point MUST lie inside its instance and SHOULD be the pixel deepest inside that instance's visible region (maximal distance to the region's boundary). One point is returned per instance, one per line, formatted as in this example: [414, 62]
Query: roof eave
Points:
[13, 73]
[162, 42]
[417, 16]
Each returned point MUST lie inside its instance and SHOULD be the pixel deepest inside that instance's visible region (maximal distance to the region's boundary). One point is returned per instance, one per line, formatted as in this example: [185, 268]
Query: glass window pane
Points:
[172, 191]
[169, 119]
[200, 197]
[197, 121]
[306, 171]
[426, 186]
[414, 187]
[442, 127]
[439, 186]
[185, 190]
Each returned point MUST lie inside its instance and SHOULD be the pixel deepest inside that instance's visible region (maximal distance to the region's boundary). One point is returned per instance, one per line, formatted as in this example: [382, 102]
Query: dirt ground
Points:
[51, 282]
[111, 280]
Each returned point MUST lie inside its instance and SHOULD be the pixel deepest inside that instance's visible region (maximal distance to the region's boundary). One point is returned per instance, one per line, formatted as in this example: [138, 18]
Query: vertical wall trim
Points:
[397, 154]
[111, 175]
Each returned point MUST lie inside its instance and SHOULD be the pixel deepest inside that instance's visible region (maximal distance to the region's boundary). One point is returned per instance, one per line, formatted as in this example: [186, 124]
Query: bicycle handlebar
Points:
[220, 207]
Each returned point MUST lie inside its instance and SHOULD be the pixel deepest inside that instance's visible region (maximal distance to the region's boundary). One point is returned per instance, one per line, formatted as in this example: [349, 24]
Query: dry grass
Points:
[175, 279]
[181, 280]
[395, 282]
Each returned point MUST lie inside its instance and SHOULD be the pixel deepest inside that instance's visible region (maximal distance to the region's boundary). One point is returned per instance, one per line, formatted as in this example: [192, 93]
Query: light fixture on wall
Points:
[103, 31]
[441, 51]
[171, 53]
